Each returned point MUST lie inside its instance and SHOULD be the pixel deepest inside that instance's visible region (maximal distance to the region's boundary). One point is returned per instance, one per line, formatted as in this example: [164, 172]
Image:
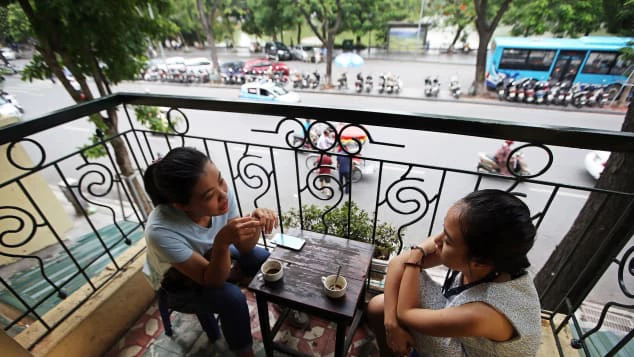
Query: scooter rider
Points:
[502, 155]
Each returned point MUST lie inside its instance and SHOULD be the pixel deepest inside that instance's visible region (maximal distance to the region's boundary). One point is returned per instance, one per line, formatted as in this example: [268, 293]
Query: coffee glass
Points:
[272, 270]
[332, 288]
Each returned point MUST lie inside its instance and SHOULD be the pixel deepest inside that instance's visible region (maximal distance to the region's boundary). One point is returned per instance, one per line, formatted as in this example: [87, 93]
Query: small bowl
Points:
[334, 289]
[272, 270]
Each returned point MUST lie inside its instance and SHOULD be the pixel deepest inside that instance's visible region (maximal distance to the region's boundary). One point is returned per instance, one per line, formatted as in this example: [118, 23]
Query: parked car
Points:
[268, 91]
[278, 51]
[595, 162]
[199, 63]
[176, 68]
[232, 72]
[306, 53]
[8, 53]
[8, 110]
[265, 65]
[199, 69]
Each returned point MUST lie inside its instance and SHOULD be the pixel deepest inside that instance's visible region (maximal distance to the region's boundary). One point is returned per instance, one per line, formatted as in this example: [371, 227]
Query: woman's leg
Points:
[375, 323]
[231, 306]
[249, 262]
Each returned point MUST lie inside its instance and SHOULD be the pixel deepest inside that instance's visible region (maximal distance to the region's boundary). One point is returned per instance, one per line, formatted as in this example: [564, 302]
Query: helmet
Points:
[509, 142]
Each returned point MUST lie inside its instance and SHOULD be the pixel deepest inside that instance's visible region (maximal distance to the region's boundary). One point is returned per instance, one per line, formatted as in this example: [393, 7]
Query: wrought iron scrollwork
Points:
[253, 174]
[397, 190]
[298, 141]
[98, 181]
[15, 163]
[514, 162]
[29, 231]
[173, 123]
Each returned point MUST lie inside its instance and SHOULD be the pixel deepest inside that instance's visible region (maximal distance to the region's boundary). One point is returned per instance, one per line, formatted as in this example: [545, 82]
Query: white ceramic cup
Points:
[272, 270]
[329, 286]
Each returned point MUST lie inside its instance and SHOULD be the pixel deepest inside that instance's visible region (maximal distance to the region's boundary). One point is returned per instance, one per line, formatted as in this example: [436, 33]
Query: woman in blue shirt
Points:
[192, 234]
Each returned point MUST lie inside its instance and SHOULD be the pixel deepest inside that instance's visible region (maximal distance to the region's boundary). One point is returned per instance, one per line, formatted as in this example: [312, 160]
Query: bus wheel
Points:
[613, 90]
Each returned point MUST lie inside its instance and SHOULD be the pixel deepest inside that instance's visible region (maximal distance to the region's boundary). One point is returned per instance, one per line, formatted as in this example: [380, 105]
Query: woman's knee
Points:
[376, 307]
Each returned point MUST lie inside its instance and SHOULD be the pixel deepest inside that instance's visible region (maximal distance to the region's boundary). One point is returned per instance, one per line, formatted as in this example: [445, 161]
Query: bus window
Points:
[567, 65]
[531, 60]
[599, 62]
[620, 66]
[541, 60]
[513, 58]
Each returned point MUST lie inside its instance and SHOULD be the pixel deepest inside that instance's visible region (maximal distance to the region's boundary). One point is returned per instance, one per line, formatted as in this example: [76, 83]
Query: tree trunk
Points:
[358, 49]
[299, 33]
[485, 32]
[209, 31]
[455, 38]
[481, 60]
[330, 45]
[599, 233]
[50, 58]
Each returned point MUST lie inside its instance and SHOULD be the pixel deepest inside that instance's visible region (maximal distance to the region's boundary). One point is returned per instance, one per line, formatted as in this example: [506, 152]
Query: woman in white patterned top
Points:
[488, 305]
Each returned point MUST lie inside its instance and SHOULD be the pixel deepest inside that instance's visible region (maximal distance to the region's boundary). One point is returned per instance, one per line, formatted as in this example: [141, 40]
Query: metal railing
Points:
[259, 170]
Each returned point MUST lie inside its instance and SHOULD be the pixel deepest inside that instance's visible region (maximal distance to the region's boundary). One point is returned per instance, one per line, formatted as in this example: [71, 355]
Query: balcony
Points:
[73, 278]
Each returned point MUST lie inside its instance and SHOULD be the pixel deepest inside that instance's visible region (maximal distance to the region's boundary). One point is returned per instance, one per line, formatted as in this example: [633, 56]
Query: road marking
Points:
[257, 151]
[402, 169]
[29, 92]
[562, 193]
[83, 130]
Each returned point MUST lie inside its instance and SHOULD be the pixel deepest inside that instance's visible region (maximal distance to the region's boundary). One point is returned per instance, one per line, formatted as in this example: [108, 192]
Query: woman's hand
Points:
[398, 339]
[268, 219]
[240, 231]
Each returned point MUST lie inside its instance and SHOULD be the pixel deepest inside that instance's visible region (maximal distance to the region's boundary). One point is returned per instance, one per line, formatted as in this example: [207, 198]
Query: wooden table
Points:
[301, 287]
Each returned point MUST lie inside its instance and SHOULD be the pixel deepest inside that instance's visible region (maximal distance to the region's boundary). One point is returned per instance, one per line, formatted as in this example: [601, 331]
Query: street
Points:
[423, 148]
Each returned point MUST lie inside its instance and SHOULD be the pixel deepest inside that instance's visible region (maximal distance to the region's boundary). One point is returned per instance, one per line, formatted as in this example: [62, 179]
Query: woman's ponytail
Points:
[150, 185]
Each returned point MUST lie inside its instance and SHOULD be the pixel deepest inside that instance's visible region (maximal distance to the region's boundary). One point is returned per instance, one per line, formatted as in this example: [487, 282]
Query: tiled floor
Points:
[146, 337]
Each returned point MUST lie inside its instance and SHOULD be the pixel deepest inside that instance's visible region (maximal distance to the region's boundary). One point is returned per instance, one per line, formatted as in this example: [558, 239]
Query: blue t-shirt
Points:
[172, 237]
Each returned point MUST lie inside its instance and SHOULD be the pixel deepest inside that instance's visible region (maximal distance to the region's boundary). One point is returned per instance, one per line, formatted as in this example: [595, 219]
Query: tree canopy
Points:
[570, 18]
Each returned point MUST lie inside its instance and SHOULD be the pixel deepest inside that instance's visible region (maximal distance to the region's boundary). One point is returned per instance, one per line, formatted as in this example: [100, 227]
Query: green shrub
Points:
[361, 223]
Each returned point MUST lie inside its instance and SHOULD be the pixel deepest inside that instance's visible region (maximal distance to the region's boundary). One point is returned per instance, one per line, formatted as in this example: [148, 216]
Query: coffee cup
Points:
[272, 270]
[334, 288]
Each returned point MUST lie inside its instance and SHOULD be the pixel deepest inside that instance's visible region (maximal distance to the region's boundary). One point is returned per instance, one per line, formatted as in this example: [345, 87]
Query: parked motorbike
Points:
[381, 84]
[454, 87]
[316, 78]
[517, 164]
[11, 99]
[297, 80]
[541, 92]
[358, 84]
[368, 83]
[599, 96]
[305, 80]
[504, 86]
[389, 84]
[342, 81]
[432, 87]
[529, 90]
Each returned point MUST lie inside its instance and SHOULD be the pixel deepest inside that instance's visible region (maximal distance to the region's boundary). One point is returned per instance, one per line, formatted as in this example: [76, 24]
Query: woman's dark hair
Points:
[172, 178]
[497, 229]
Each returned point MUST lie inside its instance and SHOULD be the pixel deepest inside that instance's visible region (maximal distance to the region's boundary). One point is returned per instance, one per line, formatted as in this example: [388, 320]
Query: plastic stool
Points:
[207, 321]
